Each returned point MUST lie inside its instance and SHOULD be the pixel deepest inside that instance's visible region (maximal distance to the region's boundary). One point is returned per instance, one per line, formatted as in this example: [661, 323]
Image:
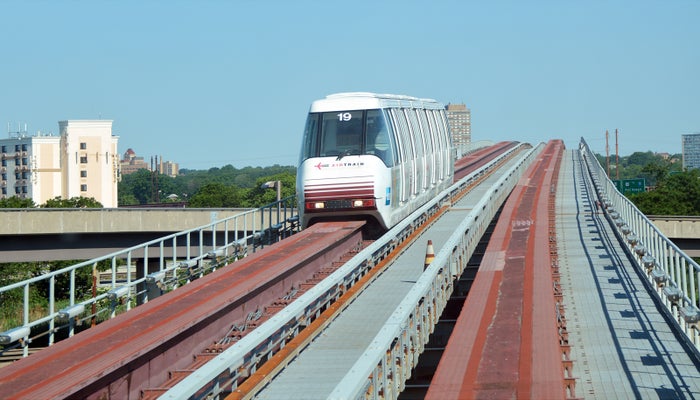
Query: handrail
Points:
[672, 274]
[172, 271]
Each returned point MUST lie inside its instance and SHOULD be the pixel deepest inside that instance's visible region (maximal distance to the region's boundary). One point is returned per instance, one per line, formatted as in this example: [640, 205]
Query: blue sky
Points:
[212, 83]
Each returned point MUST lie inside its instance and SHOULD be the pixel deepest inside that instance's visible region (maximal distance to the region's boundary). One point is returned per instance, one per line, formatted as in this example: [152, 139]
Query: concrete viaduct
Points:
[68, 234]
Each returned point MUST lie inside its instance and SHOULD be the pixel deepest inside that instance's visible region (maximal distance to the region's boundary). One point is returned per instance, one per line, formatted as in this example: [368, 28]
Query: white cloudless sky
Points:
[211, 83]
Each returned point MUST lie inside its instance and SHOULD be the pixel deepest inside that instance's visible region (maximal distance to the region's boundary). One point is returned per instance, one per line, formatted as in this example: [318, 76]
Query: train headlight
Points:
[358, 203]
[366, 203]
[315, 205]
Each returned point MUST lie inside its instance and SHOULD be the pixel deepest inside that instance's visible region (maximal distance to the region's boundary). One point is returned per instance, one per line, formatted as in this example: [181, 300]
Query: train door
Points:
[419, 137]
[410, 155]
[398, 122]
[439, 146]
[450, 156]
[379, 138]
[448, 161]
[413, 134]
[428, 139]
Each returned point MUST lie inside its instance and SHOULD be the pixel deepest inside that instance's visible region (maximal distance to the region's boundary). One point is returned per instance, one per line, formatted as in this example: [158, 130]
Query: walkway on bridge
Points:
[621, 341]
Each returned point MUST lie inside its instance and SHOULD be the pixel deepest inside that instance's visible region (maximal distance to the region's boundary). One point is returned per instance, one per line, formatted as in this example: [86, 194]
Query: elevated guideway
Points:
[337, 363]
[120, 358]
[572, 312]
[156, 319]
[505, 342]
[622, 297]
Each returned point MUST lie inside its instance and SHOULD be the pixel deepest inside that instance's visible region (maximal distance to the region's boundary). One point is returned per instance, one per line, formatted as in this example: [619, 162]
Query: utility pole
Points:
[617, 157]
[155, 190]
[607, 153]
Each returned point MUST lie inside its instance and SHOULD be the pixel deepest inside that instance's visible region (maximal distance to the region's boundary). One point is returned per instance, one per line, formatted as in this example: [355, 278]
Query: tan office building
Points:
[90, 161]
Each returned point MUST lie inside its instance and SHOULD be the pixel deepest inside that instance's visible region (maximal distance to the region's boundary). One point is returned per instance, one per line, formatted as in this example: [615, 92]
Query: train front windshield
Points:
[345, 133]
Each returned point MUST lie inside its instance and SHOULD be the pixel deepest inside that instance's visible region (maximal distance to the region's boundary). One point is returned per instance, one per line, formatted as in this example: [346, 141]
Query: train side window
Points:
[310, 141]
[429, 135]
[397, 136]
[438, 144]
[444, 144]
[404, 131]
[445, 131]
[416, 151]
[378, 140]
[416, 134]
[405, 154]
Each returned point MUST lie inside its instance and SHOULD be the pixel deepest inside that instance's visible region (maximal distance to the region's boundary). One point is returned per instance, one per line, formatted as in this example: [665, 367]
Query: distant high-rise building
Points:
[168, 168]
[690, 148]
[132, 163]
[82, 161]
[459, 120]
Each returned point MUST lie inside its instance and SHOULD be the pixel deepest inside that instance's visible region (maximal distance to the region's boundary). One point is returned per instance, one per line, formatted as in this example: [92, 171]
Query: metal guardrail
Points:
[672, 274]
[466, 148]
[222, 372]
[386, 364]
[231, 239]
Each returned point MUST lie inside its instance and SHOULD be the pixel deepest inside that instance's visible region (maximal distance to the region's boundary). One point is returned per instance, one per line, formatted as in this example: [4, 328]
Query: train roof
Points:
[367, 100]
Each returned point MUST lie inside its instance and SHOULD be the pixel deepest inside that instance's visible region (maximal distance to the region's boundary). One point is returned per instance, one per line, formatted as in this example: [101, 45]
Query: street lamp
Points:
[278, 186]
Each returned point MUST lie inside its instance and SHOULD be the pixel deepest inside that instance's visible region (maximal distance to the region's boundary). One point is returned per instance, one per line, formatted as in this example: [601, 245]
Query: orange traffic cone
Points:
[429, 255]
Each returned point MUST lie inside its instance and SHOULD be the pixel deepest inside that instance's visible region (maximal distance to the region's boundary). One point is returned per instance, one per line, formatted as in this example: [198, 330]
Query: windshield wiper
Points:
[343, 154]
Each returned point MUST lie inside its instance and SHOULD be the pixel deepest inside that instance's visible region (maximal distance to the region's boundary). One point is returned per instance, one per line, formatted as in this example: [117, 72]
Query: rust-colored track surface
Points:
[478, 158]
[120, 357]
[506, 342]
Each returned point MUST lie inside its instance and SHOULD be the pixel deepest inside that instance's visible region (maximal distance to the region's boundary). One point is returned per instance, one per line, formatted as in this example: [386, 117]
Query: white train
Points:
[375, 157]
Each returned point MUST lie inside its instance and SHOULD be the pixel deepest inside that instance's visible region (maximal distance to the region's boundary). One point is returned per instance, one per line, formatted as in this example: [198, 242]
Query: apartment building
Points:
[90, 161]
[31, 167]
[81, 161]
[690, 147]
[169, 168]
[459, 120]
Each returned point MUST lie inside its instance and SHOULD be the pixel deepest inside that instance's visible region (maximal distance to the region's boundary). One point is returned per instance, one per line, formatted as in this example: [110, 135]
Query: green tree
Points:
[73, 202]
[640, 158]
[216, 195]
[11, 300]
[137, 185]
[656, 172]
[259, 196]
[140, 185]
[127, 199]
[678, 194]
[16, 202]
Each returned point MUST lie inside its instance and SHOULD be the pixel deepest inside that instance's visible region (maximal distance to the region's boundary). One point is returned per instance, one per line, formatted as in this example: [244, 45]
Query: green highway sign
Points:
[626, 186]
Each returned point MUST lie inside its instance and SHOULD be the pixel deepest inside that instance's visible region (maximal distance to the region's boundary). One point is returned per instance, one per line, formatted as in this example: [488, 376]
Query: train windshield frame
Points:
[345, 133]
